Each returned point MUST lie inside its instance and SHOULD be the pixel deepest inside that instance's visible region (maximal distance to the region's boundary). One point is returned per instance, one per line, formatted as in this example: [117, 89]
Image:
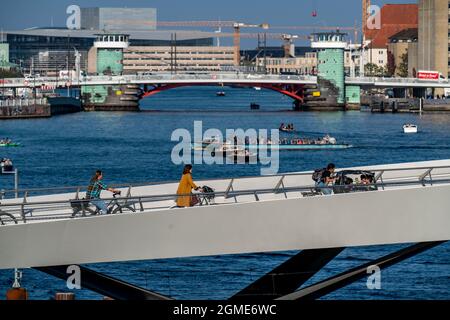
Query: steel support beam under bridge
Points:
[279, 284]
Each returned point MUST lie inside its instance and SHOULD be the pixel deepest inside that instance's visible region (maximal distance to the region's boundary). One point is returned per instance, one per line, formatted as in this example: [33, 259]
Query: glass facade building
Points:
[46, 51]
[4, 53]
[46, 55]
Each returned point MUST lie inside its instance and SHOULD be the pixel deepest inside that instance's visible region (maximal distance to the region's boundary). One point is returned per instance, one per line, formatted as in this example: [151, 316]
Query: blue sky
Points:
[20, 14]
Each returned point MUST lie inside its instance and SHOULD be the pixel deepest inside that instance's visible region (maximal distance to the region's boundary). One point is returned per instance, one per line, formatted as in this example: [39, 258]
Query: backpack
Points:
[317, 175]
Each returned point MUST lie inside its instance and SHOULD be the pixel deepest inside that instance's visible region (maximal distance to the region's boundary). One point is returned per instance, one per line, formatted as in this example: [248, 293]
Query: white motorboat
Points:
[410, 128]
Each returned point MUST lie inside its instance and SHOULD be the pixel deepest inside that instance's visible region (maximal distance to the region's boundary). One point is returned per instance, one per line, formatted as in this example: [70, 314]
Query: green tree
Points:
[10, 73]
[373, 70]
[403, 67]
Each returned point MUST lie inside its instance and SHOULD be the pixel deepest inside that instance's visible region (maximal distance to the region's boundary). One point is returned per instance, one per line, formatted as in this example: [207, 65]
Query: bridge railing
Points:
[27, 209]
[154, 78]
[18, 103]
[79, 208]
[372, 80]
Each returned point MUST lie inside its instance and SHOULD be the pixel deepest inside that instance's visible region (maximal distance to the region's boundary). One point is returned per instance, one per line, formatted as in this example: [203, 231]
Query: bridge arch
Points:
[294, 91]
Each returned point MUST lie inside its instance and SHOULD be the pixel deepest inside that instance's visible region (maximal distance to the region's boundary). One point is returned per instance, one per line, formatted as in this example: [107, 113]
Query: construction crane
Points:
[237, 38]
[289, 49]
[237, 26]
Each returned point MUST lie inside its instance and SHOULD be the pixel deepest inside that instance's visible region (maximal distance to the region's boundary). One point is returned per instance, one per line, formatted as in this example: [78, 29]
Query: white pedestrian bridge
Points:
[407, 203]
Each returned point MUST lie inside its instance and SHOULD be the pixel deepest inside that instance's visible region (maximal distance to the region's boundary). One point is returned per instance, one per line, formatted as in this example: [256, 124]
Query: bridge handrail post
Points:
[425, 174]
[380, 177]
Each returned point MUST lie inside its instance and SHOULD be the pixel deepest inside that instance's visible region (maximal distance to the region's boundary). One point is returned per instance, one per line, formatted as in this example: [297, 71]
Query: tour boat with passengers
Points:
[292, 144]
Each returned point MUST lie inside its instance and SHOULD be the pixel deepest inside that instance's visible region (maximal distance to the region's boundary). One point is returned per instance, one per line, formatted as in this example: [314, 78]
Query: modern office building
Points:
[272, 52]
[434, 21]
[297, 65]
[177, 58]
[46, 51]
[118, 19]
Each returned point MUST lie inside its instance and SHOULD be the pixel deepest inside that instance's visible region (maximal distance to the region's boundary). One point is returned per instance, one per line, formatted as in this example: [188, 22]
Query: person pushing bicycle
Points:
[94, 190]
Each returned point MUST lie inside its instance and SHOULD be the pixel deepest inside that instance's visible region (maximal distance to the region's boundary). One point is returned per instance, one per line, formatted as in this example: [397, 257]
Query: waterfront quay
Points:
[37, 108]
[24, 108]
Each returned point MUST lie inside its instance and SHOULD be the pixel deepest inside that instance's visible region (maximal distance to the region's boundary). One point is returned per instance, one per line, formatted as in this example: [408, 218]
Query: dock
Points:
[38, 108]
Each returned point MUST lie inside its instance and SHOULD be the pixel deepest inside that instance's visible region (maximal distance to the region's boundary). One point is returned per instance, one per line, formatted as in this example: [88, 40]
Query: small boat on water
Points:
[297, 144]
[9, 145]
[255, 106]
[326, 143]
[299, 147]
[289, 128]
[221, 94]
[410, 128]
[6, 166]
[239, 154]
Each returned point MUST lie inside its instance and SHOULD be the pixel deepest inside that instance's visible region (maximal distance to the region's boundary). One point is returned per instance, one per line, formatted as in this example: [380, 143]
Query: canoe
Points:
[9, 145]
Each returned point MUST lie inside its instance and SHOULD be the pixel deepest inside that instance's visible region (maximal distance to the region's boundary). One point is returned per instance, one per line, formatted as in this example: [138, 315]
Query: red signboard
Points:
[428, 75]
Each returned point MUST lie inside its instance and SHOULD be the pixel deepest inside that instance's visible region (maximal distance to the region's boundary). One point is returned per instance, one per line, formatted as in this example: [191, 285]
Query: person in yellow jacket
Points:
[185, 188]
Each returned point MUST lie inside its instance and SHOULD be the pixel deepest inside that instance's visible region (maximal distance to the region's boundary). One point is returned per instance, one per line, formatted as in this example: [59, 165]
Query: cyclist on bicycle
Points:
[94, 190]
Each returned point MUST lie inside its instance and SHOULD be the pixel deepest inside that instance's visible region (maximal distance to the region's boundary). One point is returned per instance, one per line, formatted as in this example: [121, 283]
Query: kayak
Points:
[9, 145]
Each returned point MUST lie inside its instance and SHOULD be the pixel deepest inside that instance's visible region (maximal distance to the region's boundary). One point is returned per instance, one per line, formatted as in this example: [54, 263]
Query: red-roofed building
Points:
[394, 18]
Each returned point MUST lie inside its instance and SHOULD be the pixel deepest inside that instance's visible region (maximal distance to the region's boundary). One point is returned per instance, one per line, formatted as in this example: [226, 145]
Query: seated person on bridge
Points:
[367, 180]
[94, 190]
[326, 180]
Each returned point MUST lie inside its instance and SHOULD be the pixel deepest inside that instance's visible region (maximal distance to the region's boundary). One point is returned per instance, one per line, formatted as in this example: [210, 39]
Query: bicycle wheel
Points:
[9, 216]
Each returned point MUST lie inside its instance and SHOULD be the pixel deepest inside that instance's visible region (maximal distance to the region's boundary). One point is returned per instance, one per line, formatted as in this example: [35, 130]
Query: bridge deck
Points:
[157, 197]
[259, 214]
[217, 78]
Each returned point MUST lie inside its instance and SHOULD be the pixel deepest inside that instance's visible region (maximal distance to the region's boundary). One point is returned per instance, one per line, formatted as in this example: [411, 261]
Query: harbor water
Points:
[136, 148]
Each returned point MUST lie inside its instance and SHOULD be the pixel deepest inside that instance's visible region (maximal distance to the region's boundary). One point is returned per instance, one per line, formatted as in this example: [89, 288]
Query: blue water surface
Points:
[136, 147]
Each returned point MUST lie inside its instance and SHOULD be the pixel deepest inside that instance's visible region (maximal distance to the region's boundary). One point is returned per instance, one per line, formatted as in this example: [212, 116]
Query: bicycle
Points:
[9, 218]
[86, 206]
[116, 206]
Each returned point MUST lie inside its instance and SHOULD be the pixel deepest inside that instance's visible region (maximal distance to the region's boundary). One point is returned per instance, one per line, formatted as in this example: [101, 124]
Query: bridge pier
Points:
[111, 98]
[353, 97]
